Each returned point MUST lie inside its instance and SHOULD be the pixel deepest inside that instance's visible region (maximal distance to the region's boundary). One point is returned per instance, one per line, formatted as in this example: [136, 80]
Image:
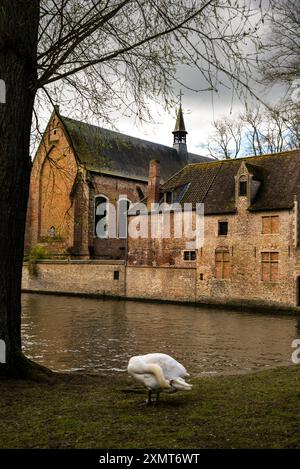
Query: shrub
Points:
[37, 253]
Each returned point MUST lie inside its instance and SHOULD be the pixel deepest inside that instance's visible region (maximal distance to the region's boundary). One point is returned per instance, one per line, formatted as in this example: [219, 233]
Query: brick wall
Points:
[52, 179]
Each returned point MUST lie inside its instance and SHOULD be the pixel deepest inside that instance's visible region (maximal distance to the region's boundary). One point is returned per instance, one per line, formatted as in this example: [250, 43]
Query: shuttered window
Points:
[269, 266]
[270, 224]
[222, 264]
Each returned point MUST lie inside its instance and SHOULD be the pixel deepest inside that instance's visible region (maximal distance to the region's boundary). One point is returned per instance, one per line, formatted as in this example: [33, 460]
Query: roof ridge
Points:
[118, 133]
[250, 157]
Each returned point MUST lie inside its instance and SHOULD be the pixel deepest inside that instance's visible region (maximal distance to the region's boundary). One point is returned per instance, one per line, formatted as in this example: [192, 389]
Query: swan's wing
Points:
[171, 368]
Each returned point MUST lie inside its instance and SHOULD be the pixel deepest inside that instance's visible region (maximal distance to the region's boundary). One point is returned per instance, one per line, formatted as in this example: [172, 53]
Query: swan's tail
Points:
[181, 385]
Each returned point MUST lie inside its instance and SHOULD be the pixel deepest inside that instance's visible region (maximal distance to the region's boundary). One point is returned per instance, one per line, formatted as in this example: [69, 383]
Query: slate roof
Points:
[214, 183]
[106, 151]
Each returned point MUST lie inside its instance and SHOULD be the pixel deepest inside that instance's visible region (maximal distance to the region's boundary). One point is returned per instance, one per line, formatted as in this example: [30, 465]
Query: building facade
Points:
[250, 253]
[250, 250]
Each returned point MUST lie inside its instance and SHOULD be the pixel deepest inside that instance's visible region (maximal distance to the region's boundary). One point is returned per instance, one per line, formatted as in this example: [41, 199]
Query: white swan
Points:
[158, 372]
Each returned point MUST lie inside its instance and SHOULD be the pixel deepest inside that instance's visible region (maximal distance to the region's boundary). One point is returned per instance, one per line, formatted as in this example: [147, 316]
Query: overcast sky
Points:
[200, 110]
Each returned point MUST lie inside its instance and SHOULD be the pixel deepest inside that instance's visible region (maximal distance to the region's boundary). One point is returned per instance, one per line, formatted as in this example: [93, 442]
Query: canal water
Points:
[68, 334]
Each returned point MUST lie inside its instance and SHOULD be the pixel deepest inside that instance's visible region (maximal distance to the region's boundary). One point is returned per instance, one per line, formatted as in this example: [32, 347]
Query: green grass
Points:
[260, 410]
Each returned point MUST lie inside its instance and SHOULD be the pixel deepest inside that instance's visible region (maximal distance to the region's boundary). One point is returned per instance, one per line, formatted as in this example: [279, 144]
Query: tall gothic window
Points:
[101, 217]
[123, 207]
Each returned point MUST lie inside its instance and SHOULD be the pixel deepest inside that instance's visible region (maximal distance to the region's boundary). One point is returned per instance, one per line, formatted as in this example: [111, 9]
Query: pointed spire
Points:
[179, 126]
[179, 131]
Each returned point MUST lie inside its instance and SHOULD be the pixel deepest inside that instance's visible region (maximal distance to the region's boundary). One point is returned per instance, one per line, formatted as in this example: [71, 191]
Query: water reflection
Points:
[66, 333]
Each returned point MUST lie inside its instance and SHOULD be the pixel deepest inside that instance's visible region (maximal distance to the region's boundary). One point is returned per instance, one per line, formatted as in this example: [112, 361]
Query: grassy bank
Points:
[246, 411]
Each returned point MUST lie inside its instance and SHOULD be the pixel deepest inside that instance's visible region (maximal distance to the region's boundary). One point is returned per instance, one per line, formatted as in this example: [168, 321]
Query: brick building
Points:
[79, 166]
[250, 253]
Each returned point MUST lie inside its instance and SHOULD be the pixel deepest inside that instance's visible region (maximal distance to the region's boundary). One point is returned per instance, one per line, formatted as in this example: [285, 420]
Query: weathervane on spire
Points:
[180, 97]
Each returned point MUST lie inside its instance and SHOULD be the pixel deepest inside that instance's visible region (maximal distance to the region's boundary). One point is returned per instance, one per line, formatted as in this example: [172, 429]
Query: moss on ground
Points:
[260, 410]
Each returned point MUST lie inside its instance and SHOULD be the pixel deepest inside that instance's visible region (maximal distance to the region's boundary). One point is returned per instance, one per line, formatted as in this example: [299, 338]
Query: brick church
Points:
[79, 166]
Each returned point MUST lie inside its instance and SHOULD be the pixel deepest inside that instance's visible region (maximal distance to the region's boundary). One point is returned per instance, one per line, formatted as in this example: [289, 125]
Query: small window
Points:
[243, 188]
[201, 276]
[223, 228]
[116, 275]
[189, 255]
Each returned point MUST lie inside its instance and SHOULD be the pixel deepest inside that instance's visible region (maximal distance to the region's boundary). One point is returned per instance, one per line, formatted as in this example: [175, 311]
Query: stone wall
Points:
[98, 278]
[245, 243]
[161, 283]
[76, 277]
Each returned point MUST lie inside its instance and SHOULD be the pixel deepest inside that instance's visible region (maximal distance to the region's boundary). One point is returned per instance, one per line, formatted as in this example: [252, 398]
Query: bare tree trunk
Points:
[18, 42]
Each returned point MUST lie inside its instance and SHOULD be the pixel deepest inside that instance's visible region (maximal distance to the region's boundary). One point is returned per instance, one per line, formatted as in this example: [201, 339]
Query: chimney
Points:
[153, 183]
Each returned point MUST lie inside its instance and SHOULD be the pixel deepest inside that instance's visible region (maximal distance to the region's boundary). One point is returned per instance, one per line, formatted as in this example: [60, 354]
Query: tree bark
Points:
[19, 21]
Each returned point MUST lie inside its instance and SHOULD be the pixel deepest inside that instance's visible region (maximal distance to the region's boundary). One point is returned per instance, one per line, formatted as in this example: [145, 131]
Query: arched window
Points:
[124, 205]
[101, 217]
[222, 260]
[52, 232]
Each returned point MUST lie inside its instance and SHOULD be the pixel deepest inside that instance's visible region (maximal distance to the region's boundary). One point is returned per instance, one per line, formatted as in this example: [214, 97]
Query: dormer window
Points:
[243, 188]
[169, 197]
